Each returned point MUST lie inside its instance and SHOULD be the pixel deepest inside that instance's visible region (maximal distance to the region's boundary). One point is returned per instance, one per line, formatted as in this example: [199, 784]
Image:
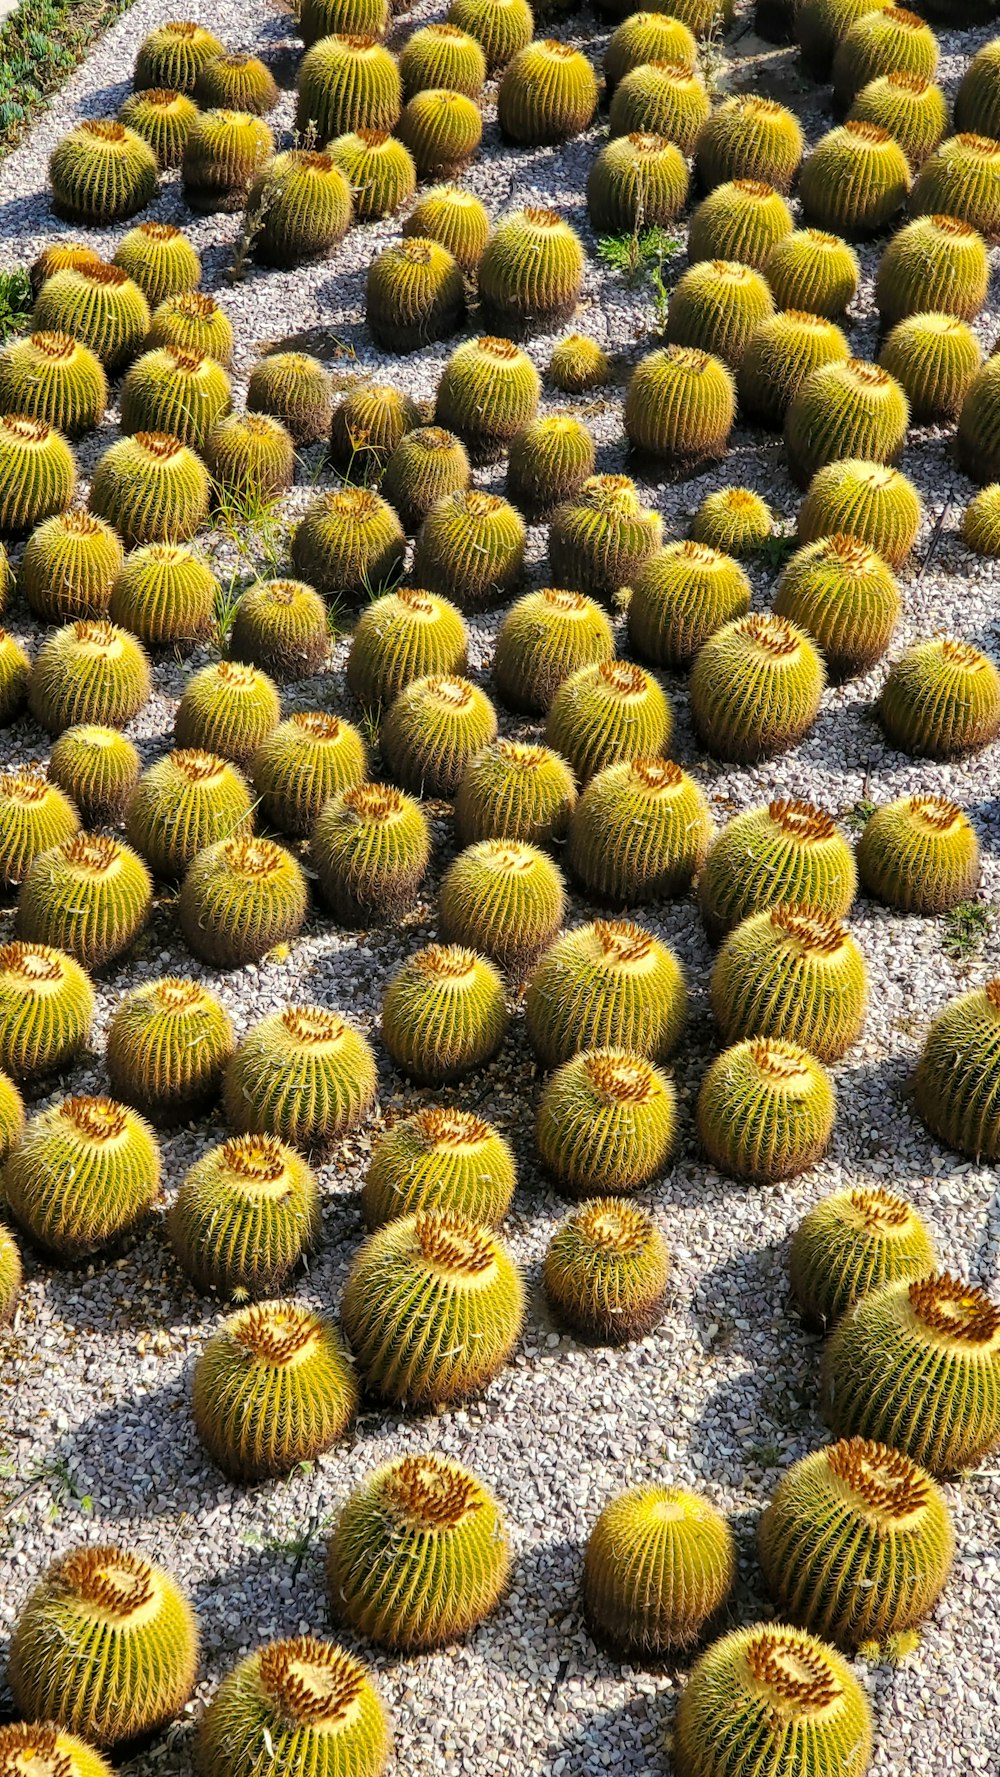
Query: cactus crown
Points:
[312, 1026]
[26, 430]
[620, 1078]
[622, 941]
[96, 1120]
[356, 503]
[196, 766]
[655, 776]
[173, 994]
[981, 145]
[24, 787]
[35, 964]
[783, 1065]
[955, 227]
[814, 933]
[182, 28]
[113, 1582]
[959, 1312]
[963, 654]
[31, 1749]
[253, 857]
[257, 1159]
[457, 694]
[772, 635]
[885, 1484]
[102, 129]
[275, 1332]
[793, 1676]
[504, 350]
[92, 853]
[161, 445]
[613, 1226]
[316, 724]
[872, 133]
[801, 820]
[935, 813]
[452, 1244]
[158, 231]
[111, 276]
[877, 1209]
[445, 962]
[57, 347]
[373, 802]
[428, 1494]
[441, 1126]
[310, 1681]
[622, 677]
[195, 305]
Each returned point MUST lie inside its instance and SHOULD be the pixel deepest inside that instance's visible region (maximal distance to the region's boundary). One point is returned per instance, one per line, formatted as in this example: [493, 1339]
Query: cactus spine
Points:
[793, 974]
[182, 803]
[504, 898]
[851, 1244]
[605, 1271]
[543, 638]
[756, 687]
[659, 1564]
[85, 1173]
[273, 1388]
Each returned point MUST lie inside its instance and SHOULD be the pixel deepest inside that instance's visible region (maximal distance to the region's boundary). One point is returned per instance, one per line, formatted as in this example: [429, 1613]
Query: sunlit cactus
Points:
[315, 1704]
[37, 472]
[470, 549]
[749, 137]
[273, 1388]
[52, 377]
[578, 364]
[42, 1747]
[756, 688]
[659, 1564]
[843, 595]
[502, 27]
[680, 407]
[742, 219]
[911, 109]
[961, 180]
[456, 219]
[379, 170]
[765, 1111]
[101, 172]
[245, 1214]
[297, 390]
[304, 1075]
[433, 1308]
[780, 354]
[69, 567]
[977, 101]
[606, 1123]
[609, 984]
[35, 815]
[717, 305]
[405, 635]
[599, 539]
[516, 791]
[636, 180]
[98, 769]
[981, 521]
[786, 852]
[370, 849]
[440, 1159]
[845, 409]
[882, 40]
[325, 18]
[298, 207]
[871, 501]
[168, 1043]
[547, 94]
[61, 255]
[640, 831]
[348, 544]
[15, 668]
[85, 1173]
[489, 389]
[941, 699]
[432, 730]
[820, 25]
[850, 1244]
[661, 98]
[544, 637]
[239, 899]
[163, 119]
[281, 627]
[934, 358]
[442, 130]
[152, 488]
[956, 1077]
[419, 1554]
[100, 306]
[347, 83]
[917, 1366]
[368, 426]
[444, 57]
[222, 158]
[977, 443]
[734, 520]
[46, 1010]
[793, 974]
[183, 802]
[91, 896]
[531, 272]
[504, 898]
[550, 460]
[172, 390]
[603, 714]
[681, 596]
[173, 55]
[443, 1014]
[236, 83]
[414, 295]
[855, 181]
[165, 595]
[194, 323]
[605, 1271]
[88, 671]
[229, 709]
[647, 37]
[250, 457]
[307, 758]
[106, 1645]
[814, 272]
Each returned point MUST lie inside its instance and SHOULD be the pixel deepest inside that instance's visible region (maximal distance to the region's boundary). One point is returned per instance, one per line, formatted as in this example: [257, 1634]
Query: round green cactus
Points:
[547, 94]
[346, 84]
[281, 627]
[502, 27]
[163, 119]
[370, 849]
[881, 41]
[977, 444]
[749, 137]
[941, 698]
[301, 763]
[89, 671]
[348, 544]
[69, 567]
[855, 181]
[919, 854]
[765, 1111]
[194, 323]
[717, 306]
[239, 899]
[165, 595]
[504, 898]
[15, 668]
[470, 548]
[870, 501]
[599, 539]
[911, 109]
[608, 713]
[177, 391]
[956, 1074]
[934, 358]
[35, 815]
[636, 180]
[182, 803]
[168, 1043]
[977, 101]
[681, 596]
[531, 272]
[173, 55]
[222, 158]
[578, 364]
[229, 709]
[101, 172]
[640, 831]
[85, 1173]
[606, 1122]
[742, 219]
[814, 272]
[250, 457]
[661, 98]
[325, 18]
[756, 688]
[961, 179]
[550, 460]
[273, 1388]
[605, 1271]
[37, 472]
[845, 409]
[544, 638]
[820, 25]
[61, 255]
[794, 974]
[297, 390]
[152, 488]
[787, 1695]
[298, 207]
[489, 389]
[52, 377]
[11, 1132]
[842, 594]
[46, 1010]
[42, 1747]
[659, 1564]
[406, 635]
[442, 130]
[433, 1308]
[414, 295]
[917, 1366]
[432, 730]
[245, 1215]
[442, 57]
[419, 1555]
[981, 521]
[443, 1014]
[439, 1159]
[680, 406]
[734, 520]
[780, 354]
[304, 1075]
[98, 769]
[100, 306]
[456, 219]
[379, 170]
[368, 426]
[91, 896]
[606, 985]
[787, 852]
[850, 1244]
[106, 1645]
[314, 1703]
[516, 791]
[645, 37]
[236, 83]
[936, 263]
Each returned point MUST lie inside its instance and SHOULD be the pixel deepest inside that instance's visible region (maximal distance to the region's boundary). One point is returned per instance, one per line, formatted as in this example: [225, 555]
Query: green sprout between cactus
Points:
[516, 791]
[605, 1271]
[919, 854]
[941, 699]
[91, 896]
[88, 671]
[315, 1704]
[432, 730]
[851, 1244]
[606, 1123]
[85, 1173]
[167, 1046]
[543, 638]
[46, 1010]
[183, 802]
[786, 852]
[69, 567]
[794, 974]
[640, 831]
[306, 759]
[406, 635]
[304, 1075]
[659, 1564]
[244, 1216]
[681, 596]
[440, 1159]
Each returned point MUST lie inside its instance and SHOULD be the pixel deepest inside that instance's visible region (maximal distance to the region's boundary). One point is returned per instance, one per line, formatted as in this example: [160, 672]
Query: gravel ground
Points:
[97, 1439]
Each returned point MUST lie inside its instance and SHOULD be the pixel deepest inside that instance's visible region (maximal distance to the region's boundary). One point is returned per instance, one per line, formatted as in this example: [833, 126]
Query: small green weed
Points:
[15, 302]
[966, 928]
[857, 818]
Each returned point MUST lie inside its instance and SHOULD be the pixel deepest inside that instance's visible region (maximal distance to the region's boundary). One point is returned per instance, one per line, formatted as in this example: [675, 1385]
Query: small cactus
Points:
[228, 709]
[547, 94]
[749, 137]
[379, 170]
[742, 219]
[667, 99]
[640, 831]
[414, 295]
[370, 850]
[313, 1702]
[605, 1271]
[35, 815]
[851, 1244]
[681, 596]
[250, 457]
[470, 549]
[406, 635]
[717, 306]
[502, 27]
[273, 1388]
[850, 409]
[531, 273]
[442, 57]
[606, 1123]
[89, 671]
[977, 444]
[46, 1010]
[98, 769]
[659, 1564]
[870, 501]
[941, 699]
[489, 389]
[919, 854]
[544, 638]
[165, 595]
[638, 180]
[152, 488]
[855, 181]
[912, 110]
[304, 1075]
[245, 1214]
[918, 1363]
[516, 791]
[298, 208]
[348, 544]
[604, 714]
[442, 130]
[977, 101]
[793, 974]
[281, 628]
[61, 255]
[456, 219]
[756, 688]
[176, 391]
[957, 1073]
[91, 896]
[439, 1159]
[842, 594]
[961, 179]
[606, 985]
[504, 898]
[787, 852]
[163, 119]
[645, 37]
[222, 159]
[427, 465]
[106, 1645]
[174, 54]
[345, 84]
[69, 567]
[443, 1014]
[236, 83]
[301, 763]
[37, 472]
[168, 1043]
[814, 272]
[578, 364]
[780, 354]
[182, 803]
[680, 407]
[368, 426]
[101, 172]
[550, 460]
[734, 520]
[432, 730]
[194, 323]
[239, 899]
[100, 306]
[599, 539]
[934, 358]
[85, 1173]
[765, 1111]
[52, 377]
[419, 1555]
[433, 1308]
[15, 668]
[296, 389]
[981, 521]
